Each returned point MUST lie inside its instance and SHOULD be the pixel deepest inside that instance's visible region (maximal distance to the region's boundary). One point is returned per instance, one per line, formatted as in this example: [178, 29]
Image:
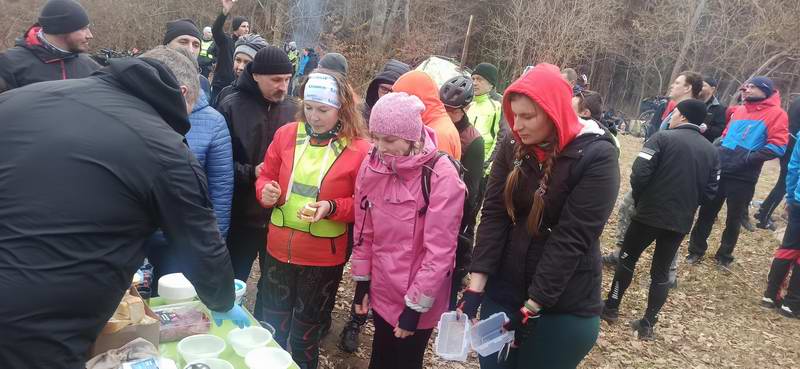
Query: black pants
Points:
[390, 352]
[787, 258]
[737, 194]
[297, 300]
[776, 194]
[638, 237]
[244, 244]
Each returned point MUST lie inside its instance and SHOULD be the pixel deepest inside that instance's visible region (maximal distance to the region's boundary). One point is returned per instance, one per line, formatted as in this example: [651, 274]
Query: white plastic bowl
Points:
[212, 363]
[200, 346]
[248, 339]
[239, 287]
[268, 358]
[175, 288]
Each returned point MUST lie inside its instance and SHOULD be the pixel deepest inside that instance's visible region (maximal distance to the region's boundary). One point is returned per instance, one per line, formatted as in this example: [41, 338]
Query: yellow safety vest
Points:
[204, 46]
[304, 185]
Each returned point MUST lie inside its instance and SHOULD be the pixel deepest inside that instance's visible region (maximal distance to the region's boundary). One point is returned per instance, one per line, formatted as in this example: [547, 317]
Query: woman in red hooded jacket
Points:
[537, 254]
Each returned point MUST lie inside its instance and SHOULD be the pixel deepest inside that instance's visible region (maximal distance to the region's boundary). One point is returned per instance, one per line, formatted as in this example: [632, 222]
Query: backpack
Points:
[427, 171]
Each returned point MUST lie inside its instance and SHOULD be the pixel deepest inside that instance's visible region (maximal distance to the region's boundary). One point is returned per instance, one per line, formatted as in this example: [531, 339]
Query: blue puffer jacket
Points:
[210, 142]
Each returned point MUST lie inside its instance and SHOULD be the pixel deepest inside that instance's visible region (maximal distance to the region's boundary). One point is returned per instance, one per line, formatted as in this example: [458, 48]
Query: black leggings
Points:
[638, 237]
[787, 258]
[390, 352]
[297, 300]
[778, 191]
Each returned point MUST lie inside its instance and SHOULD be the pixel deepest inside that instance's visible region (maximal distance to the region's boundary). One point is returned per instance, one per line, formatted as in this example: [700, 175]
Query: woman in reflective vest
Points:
[308, 179]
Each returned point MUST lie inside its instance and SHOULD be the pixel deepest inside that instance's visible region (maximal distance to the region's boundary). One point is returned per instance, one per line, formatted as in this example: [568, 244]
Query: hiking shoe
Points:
[673, 284]
[693, 259]
[787, 312]
[747, 225]
[610, 260]
[348, 339]
[724, 265]
[610, 315]
[643, 329]
[768, 303]
[768, 225]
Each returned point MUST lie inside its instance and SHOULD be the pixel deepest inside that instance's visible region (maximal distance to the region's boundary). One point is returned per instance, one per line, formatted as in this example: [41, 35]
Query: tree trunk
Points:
[378, 20]
[687, 38]
[407, 18]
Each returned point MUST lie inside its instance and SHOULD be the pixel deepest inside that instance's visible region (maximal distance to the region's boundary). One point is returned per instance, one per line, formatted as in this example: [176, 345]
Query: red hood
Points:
[30, 35]
[774, 100]
[421, 85]
[545, 86]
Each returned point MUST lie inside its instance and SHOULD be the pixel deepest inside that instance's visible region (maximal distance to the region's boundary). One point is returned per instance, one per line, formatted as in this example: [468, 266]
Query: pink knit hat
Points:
[398, 114]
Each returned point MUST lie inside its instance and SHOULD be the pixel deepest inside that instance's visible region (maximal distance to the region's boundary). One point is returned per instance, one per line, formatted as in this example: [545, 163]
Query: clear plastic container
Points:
[452, 341]
[182, 320]
[487, 336]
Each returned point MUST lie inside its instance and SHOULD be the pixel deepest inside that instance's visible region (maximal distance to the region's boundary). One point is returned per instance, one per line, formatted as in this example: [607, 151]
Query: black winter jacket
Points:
[89, 169]
[561, 269]
[31, 61]
[252, 122]
[676, 171]
[390, 73]
[472, 161]
[223, 72]
[716, 119]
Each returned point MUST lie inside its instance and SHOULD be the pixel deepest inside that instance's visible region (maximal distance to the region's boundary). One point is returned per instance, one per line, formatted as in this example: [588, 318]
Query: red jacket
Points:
[298, 247]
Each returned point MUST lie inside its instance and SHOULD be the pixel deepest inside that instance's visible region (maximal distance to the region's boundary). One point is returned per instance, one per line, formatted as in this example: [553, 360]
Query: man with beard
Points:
[52, 49]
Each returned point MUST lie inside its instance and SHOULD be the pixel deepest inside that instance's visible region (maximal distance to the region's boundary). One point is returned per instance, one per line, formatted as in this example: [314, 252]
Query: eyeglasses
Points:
[384, 90]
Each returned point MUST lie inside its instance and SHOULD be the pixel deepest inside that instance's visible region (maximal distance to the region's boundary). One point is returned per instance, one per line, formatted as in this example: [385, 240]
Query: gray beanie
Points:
[334, 61]
[249, 45]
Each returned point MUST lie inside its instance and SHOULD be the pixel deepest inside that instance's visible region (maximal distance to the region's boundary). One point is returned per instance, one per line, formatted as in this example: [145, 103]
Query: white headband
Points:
[323, 89]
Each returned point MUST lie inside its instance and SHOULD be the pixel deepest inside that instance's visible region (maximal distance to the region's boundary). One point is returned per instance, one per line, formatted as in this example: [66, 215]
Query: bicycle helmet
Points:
[457, 92]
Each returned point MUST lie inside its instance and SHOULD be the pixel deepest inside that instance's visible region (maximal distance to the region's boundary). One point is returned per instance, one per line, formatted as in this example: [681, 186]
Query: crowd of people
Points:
[277, 159]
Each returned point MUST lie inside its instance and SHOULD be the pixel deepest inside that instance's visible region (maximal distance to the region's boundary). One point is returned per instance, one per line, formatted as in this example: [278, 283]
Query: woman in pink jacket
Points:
[404, 246]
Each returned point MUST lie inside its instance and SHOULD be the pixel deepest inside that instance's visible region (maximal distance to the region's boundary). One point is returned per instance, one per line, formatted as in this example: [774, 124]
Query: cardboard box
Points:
[150, 332]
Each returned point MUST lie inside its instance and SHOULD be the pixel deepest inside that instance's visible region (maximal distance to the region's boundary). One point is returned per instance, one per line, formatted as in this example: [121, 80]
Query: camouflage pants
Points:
[624, 214]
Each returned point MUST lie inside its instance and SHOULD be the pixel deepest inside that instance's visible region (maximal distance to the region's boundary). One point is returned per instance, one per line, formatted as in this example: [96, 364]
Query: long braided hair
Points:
[521, 150]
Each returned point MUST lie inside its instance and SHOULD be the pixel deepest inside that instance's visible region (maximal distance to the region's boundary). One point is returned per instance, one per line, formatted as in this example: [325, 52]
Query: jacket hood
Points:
[405, 167]
[152, 82]
[45, 52]
[773, 100]
[389, 75]
[246, 83]
[201, 102]
[421, 85]
[544, 85]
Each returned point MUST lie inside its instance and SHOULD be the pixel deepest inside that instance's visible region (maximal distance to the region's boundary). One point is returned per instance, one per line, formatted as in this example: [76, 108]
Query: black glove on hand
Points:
[523, 323]
[409, 319]
[469, 303]
[362, 289]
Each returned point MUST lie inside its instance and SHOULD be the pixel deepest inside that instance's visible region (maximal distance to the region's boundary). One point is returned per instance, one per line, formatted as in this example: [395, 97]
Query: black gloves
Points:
[409, 319]
[362, 289]
[469, 303]
[523, 323]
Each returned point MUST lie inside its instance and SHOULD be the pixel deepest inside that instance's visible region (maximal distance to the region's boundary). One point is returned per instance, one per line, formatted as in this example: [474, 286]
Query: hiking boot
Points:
[746, 224]
[768, 225]
[610, 260]
[724, 265]
[693, 259]
[348, 341]
[673, 284]
[610, 315]
[768, 303]
[643, 329]
[789, 313]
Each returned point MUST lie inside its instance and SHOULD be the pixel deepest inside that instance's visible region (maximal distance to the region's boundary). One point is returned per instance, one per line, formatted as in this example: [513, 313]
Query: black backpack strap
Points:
[427, 171]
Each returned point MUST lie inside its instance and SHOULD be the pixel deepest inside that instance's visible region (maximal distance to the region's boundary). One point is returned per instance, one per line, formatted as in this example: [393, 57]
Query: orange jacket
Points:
[297, 247]
[422, 86]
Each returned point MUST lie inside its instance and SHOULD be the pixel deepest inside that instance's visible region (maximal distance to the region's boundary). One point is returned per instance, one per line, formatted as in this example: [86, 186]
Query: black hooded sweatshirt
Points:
[390, 73]
[89, 169]
[252, 122]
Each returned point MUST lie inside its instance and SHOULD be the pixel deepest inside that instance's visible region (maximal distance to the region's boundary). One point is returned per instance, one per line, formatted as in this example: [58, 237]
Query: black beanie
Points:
[271, 60]
[237, 21]
[487, 71]
[180, 27]
[62, 16]
[694, 111]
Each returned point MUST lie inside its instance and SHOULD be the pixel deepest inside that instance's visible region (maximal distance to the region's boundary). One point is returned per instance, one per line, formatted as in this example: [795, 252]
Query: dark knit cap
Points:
[237, 21]
[710, 80]
[271, 60]
[764, 84]
[334, 61]
[62, 16]
[487, 71]
[180, 27]
[694, 110]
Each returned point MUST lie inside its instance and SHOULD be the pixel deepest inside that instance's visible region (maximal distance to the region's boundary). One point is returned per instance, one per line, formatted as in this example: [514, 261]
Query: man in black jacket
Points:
[50, 50]
[764, 214]
[676, 170]
[382, 84]
[223, 74]
[89, 169]
[257, 108]
[715, 121]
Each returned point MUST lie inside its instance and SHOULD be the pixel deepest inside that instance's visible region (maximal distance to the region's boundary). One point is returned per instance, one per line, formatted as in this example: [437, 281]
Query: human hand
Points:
[227, 5]
[270, 194]
[237, 315]
[402, 333]
[407, 323]
[321, 210]
[259, 167]
[523, 323]
[469, 303]
[363, 307]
